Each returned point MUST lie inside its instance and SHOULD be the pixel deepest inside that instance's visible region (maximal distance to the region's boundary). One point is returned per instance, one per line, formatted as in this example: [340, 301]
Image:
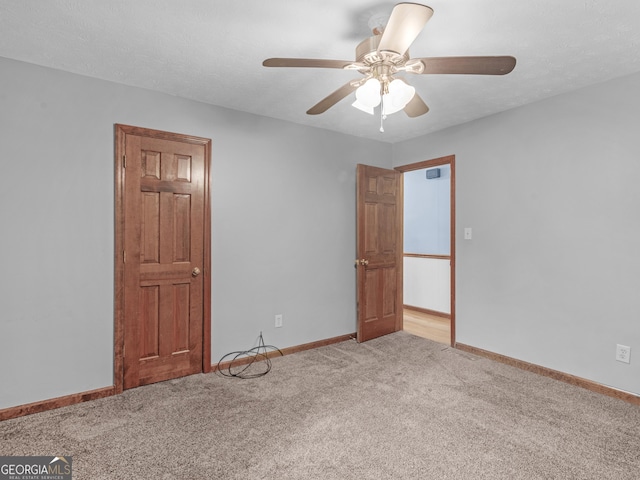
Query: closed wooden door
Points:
[379, 252]
[164, 254]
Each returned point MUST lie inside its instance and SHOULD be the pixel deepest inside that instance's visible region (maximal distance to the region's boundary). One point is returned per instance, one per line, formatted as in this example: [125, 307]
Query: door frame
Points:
[121, 131]
[451, 161]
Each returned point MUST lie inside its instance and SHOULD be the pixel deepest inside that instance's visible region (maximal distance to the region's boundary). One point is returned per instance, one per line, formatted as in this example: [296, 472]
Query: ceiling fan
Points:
[380, 57]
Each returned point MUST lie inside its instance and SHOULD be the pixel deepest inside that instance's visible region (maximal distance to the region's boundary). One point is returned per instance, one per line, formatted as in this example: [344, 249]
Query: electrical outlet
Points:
[278, 320]
[623, 353]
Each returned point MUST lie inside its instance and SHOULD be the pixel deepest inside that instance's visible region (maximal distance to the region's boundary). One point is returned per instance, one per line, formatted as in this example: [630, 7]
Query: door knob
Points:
[195, 272]
[362, 262]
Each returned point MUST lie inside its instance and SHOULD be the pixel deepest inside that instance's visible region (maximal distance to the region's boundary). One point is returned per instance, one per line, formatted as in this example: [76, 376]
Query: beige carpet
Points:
[399, 407]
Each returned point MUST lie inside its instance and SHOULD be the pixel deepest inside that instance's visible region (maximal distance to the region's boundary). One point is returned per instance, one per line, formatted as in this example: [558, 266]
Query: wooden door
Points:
[379, 252]
[165, 254]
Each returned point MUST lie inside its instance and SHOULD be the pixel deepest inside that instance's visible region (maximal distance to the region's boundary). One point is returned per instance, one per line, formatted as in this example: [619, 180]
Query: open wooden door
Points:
[163, 279]
[379, 251]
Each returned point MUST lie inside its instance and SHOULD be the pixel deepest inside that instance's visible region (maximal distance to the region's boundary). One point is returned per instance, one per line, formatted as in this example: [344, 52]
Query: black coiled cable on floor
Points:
[246, 359]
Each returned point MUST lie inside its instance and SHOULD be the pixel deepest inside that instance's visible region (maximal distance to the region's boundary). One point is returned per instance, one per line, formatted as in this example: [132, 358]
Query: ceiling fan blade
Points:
[329, 101]
[468, 65]
[305, 62]
[405, 23]
[416, 105]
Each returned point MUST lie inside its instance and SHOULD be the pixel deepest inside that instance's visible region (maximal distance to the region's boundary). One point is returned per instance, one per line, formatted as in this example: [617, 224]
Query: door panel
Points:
[165, 250]
[149, 316]
[379, 252]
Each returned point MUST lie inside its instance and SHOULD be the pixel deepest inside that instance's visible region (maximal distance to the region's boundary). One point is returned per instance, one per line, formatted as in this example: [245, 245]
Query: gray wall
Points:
[283, 220]
[552, 274]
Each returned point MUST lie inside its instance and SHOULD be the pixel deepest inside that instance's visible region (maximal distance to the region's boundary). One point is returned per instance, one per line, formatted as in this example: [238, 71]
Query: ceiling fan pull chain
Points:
[382, 115]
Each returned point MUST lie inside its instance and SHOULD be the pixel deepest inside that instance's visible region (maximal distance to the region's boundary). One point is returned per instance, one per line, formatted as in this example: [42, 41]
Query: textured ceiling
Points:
[212, 51]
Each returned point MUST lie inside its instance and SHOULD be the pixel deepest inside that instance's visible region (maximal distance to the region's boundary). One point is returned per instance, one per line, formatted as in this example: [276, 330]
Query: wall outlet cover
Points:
[623, 353]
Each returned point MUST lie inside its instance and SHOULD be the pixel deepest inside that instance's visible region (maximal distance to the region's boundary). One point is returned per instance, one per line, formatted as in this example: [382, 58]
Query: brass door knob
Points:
[195, 272]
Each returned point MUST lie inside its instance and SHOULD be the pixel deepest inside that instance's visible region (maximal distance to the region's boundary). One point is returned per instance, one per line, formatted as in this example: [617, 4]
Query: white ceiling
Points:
[212, 51]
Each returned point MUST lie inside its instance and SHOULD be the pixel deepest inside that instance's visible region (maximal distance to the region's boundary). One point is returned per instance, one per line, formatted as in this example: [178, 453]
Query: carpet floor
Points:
[397, 407]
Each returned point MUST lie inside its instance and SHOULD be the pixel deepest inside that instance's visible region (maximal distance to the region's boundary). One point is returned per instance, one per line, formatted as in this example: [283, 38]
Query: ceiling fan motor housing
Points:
[367, 52]
[380, 65]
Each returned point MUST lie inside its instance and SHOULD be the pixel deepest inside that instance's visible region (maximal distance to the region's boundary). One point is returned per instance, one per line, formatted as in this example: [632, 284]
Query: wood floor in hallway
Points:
[425, 325]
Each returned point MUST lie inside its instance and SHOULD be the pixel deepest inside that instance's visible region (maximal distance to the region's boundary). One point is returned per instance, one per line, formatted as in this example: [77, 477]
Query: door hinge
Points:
[124, 161]
[124, 256]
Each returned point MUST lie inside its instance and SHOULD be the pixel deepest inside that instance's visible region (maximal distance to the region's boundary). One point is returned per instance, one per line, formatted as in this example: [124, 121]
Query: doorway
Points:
[162, 256]
[429, 249]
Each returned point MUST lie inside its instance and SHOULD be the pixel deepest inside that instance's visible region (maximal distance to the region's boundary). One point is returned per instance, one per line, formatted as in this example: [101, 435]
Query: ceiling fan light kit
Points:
[368, 96]
[385, 54]
[372, 93]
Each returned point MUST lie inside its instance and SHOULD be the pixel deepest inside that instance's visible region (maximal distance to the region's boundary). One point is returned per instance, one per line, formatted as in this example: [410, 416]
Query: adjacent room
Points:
[528, 111]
